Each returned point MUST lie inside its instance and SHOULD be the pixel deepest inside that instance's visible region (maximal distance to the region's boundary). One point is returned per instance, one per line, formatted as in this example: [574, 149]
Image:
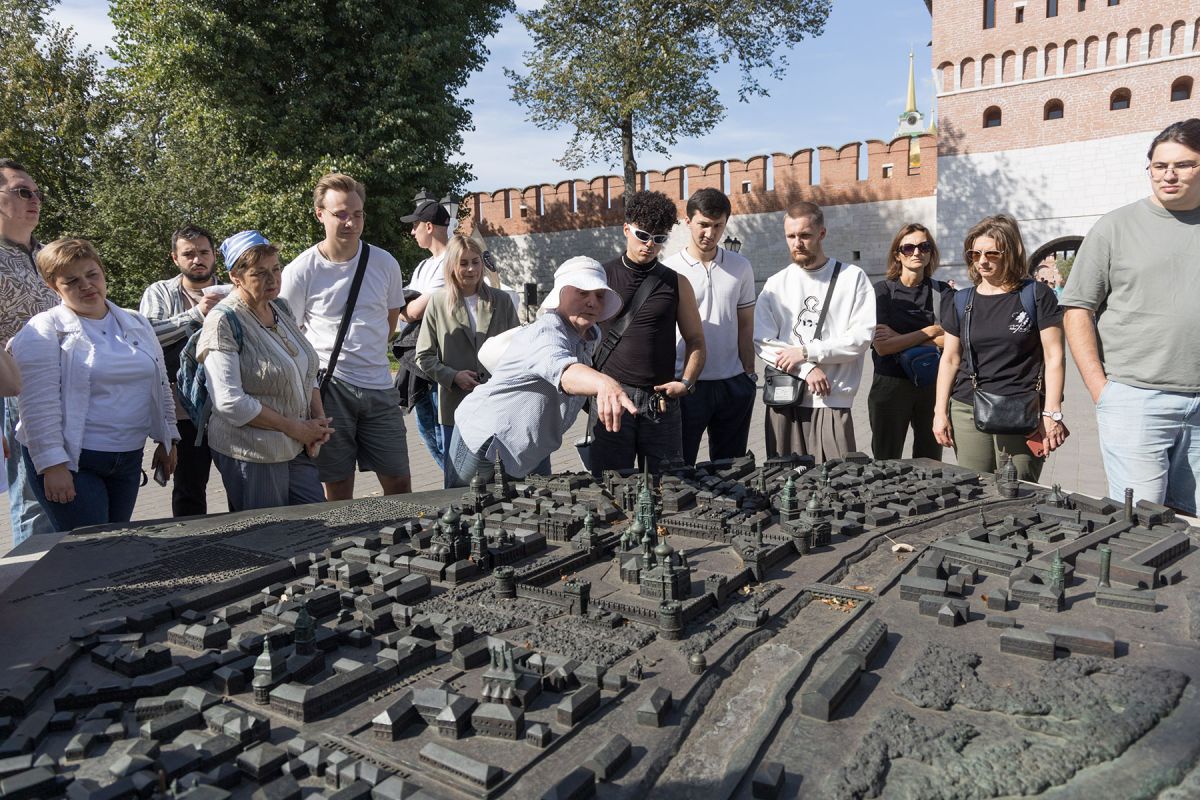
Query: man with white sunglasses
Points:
[23, 293]
[642, 358]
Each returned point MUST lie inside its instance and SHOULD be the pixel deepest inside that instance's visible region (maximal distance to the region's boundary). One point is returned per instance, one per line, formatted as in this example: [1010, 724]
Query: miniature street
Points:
[741, 629]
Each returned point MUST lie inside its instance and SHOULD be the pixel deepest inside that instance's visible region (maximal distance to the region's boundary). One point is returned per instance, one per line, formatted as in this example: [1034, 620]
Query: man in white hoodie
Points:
[814, 320]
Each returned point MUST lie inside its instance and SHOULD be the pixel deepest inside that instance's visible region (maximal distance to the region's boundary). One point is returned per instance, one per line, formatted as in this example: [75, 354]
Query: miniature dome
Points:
[663, 551]
[698, 660]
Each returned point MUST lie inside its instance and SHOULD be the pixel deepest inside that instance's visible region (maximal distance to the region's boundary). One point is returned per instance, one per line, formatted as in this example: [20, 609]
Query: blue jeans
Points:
[106, 489]
[463, 463]
[426, 410]
[1151, 443]
[723, 408]
[28, 516]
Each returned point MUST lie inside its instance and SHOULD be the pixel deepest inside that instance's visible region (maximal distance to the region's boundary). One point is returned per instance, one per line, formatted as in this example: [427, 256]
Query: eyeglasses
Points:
[980, 255]
[25, 193]
[642, 236]
[909, 249]
[1158, 169]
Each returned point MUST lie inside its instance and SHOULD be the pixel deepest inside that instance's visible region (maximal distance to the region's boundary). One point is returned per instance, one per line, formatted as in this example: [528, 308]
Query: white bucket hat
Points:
[586, 274]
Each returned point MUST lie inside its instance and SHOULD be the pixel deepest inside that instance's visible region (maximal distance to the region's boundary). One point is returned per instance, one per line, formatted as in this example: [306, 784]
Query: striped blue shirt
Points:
[523, 405]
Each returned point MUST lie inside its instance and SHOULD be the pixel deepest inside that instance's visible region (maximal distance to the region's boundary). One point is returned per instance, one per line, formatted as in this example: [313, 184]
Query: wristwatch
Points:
[1054, 415]
[691, 385]
[752, 376]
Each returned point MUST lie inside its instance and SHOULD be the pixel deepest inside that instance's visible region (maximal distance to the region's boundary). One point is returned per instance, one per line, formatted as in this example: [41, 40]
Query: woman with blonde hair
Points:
[905, 349]
[94, 389]
[458, 320]
[1000, 381]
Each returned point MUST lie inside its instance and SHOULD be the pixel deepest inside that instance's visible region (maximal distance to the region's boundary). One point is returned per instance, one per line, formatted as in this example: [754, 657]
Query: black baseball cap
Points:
[429, 211]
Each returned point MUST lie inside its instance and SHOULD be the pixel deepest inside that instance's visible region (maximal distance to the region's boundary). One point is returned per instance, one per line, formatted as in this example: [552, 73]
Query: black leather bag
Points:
[1007, 413]
[1002, 414]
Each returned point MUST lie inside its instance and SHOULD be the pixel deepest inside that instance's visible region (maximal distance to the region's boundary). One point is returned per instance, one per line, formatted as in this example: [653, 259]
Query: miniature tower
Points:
[789, 509]
[1057, 579]
[502, 490]
[1009, 485]
[645, 508]
[506, 582]
[591, 538]
[479, 547]
[268, 671]
[304, 634]
[1129, 505]
[1105, 566]
[578, 593]
[670, 620]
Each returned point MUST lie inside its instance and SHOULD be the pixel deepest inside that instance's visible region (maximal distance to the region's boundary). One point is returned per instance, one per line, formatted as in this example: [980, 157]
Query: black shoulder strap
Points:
[837, 270]
[355, 285]
[935, 292]
[966, 303]
[617, 329]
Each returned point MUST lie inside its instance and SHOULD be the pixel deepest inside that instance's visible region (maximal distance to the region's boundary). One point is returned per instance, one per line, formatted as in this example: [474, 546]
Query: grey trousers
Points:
[289, 483]
[822, 433]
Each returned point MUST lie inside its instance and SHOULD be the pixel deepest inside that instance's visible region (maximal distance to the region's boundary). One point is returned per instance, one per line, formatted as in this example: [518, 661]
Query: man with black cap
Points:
[430, 227]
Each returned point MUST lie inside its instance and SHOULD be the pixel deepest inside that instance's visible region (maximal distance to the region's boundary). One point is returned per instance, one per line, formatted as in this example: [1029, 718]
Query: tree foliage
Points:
[49, 110]
[225, 112]
[636, 75]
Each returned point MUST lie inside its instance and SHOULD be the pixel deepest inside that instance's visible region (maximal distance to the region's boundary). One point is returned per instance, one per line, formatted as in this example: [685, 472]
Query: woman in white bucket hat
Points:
[541, 383]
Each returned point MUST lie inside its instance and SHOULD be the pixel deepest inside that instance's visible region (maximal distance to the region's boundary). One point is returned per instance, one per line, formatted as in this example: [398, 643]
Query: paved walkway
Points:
[1077, 465]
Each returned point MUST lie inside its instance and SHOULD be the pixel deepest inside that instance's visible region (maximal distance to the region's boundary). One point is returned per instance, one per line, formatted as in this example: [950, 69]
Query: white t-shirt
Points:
[317, 290]
[122, 391]
[428, 275]
[723, 286]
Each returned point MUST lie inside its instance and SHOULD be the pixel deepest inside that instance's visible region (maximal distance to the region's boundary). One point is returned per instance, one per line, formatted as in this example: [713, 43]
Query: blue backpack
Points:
[192, 381]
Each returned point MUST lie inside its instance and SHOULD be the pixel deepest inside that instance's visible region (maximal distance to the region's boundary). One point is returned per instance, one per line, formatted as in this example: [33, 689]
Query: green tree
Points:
[49, 110]
[230, 110]
[635, 75]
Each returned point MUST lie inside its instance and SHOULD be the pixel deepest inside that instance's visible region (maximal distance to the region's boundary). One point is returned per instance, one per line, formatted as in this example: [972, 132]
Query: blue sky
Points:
[846, 85]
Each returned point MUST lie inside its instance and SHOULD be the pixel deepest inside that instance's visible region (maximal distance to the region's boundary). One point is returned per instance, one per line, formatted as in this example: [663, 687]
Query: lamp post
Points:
[451, 205]
[732, 244]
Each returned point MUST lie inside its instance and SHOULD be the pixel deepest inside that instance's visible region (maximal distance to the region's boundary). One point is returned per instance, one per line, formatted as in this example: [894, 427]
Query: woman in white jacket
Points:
[94, 388]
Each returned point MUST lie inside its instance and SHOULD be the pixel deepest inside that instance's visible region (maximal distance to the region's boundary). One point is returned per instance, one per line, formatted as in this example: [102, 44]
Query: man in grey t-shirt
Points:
[1133, 326]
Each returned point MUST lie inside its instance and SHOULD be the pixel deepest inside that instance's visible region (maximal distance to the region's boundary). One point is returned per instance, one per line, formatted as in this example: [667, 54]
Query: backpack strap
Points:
[1029, 300]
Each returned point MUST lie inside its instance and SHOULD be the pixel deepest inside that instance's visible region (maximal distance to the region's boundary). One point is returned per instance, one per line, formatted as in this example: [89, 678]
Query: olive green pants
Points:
[982, 451]
[895, 405]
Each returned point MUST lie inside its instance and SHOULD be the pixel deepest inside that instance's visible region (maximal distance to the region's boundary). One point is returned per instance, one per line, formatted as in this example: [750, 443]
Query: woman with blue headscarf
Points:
[268, 421]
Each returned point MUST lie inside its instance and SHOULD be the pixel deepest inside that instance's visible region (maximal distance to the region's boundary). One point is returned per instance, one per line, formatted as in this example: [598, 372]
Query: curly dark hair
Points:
[652, 212]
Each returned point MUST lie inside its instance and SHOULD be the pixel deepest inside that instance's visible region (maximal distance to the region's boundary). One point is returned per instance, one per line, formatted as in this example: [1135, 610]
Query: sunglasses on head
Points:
[909, 249]
[643, 236]
[25, 193]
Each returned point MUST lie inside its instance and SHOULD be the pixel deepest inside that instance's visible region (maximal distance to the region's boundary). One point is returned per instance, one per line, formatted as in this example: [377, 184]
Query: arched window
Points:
[1181, 89]
[991, 117]
[1119, 101]
[1053, 109]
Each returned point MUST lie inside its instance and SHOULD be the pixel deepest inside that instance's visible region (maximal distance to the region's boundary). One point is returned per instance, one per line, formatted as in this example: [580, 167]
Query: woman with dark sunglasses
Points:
[906, 317]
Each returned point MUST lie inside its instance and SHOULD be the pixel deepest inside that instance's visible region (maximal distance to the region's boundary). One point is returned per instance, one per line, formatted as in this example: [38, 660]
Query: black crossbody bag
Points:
[1000, 413]
[326, 375]
[782, 388]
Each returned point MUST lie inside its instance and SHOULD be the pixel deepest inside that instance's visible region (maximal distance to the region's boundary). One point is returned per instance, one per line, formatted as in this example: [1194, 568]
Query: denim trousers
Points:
[723, 409]
[648, 438]
[463, 463]
[426, 411]
[106, 489]
[1150, 442]
[27, 515]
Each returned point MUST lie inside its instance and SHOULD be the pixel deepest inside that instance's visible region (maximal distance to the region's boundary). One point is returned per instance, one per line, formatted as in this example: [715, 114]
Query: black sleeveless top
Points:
[646, 354]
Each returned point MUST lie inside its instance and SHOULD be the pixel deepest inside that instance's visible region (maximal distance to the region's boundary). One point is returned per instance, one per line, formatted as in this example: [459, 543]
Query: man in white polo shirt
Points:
[367, 420]
[723, 400]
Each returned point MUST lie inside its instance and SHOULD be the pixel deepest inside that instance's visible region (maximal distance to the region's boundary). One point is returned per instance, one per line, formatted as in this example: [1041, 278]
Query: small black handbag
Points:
[784, 389]
[1002, 414]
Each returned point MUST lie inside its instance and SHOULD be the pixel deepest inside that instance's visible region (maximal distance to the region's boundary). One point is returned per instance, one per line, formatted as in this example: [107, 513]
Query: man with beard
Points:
[724, 284]
[814, 320]
[23, 294]
[176, 309]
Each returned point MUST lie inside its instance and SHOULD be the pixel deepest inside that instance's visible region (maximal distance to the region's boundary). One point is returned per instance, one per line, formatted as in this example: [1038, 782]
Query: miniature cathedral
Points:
[659, 571]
